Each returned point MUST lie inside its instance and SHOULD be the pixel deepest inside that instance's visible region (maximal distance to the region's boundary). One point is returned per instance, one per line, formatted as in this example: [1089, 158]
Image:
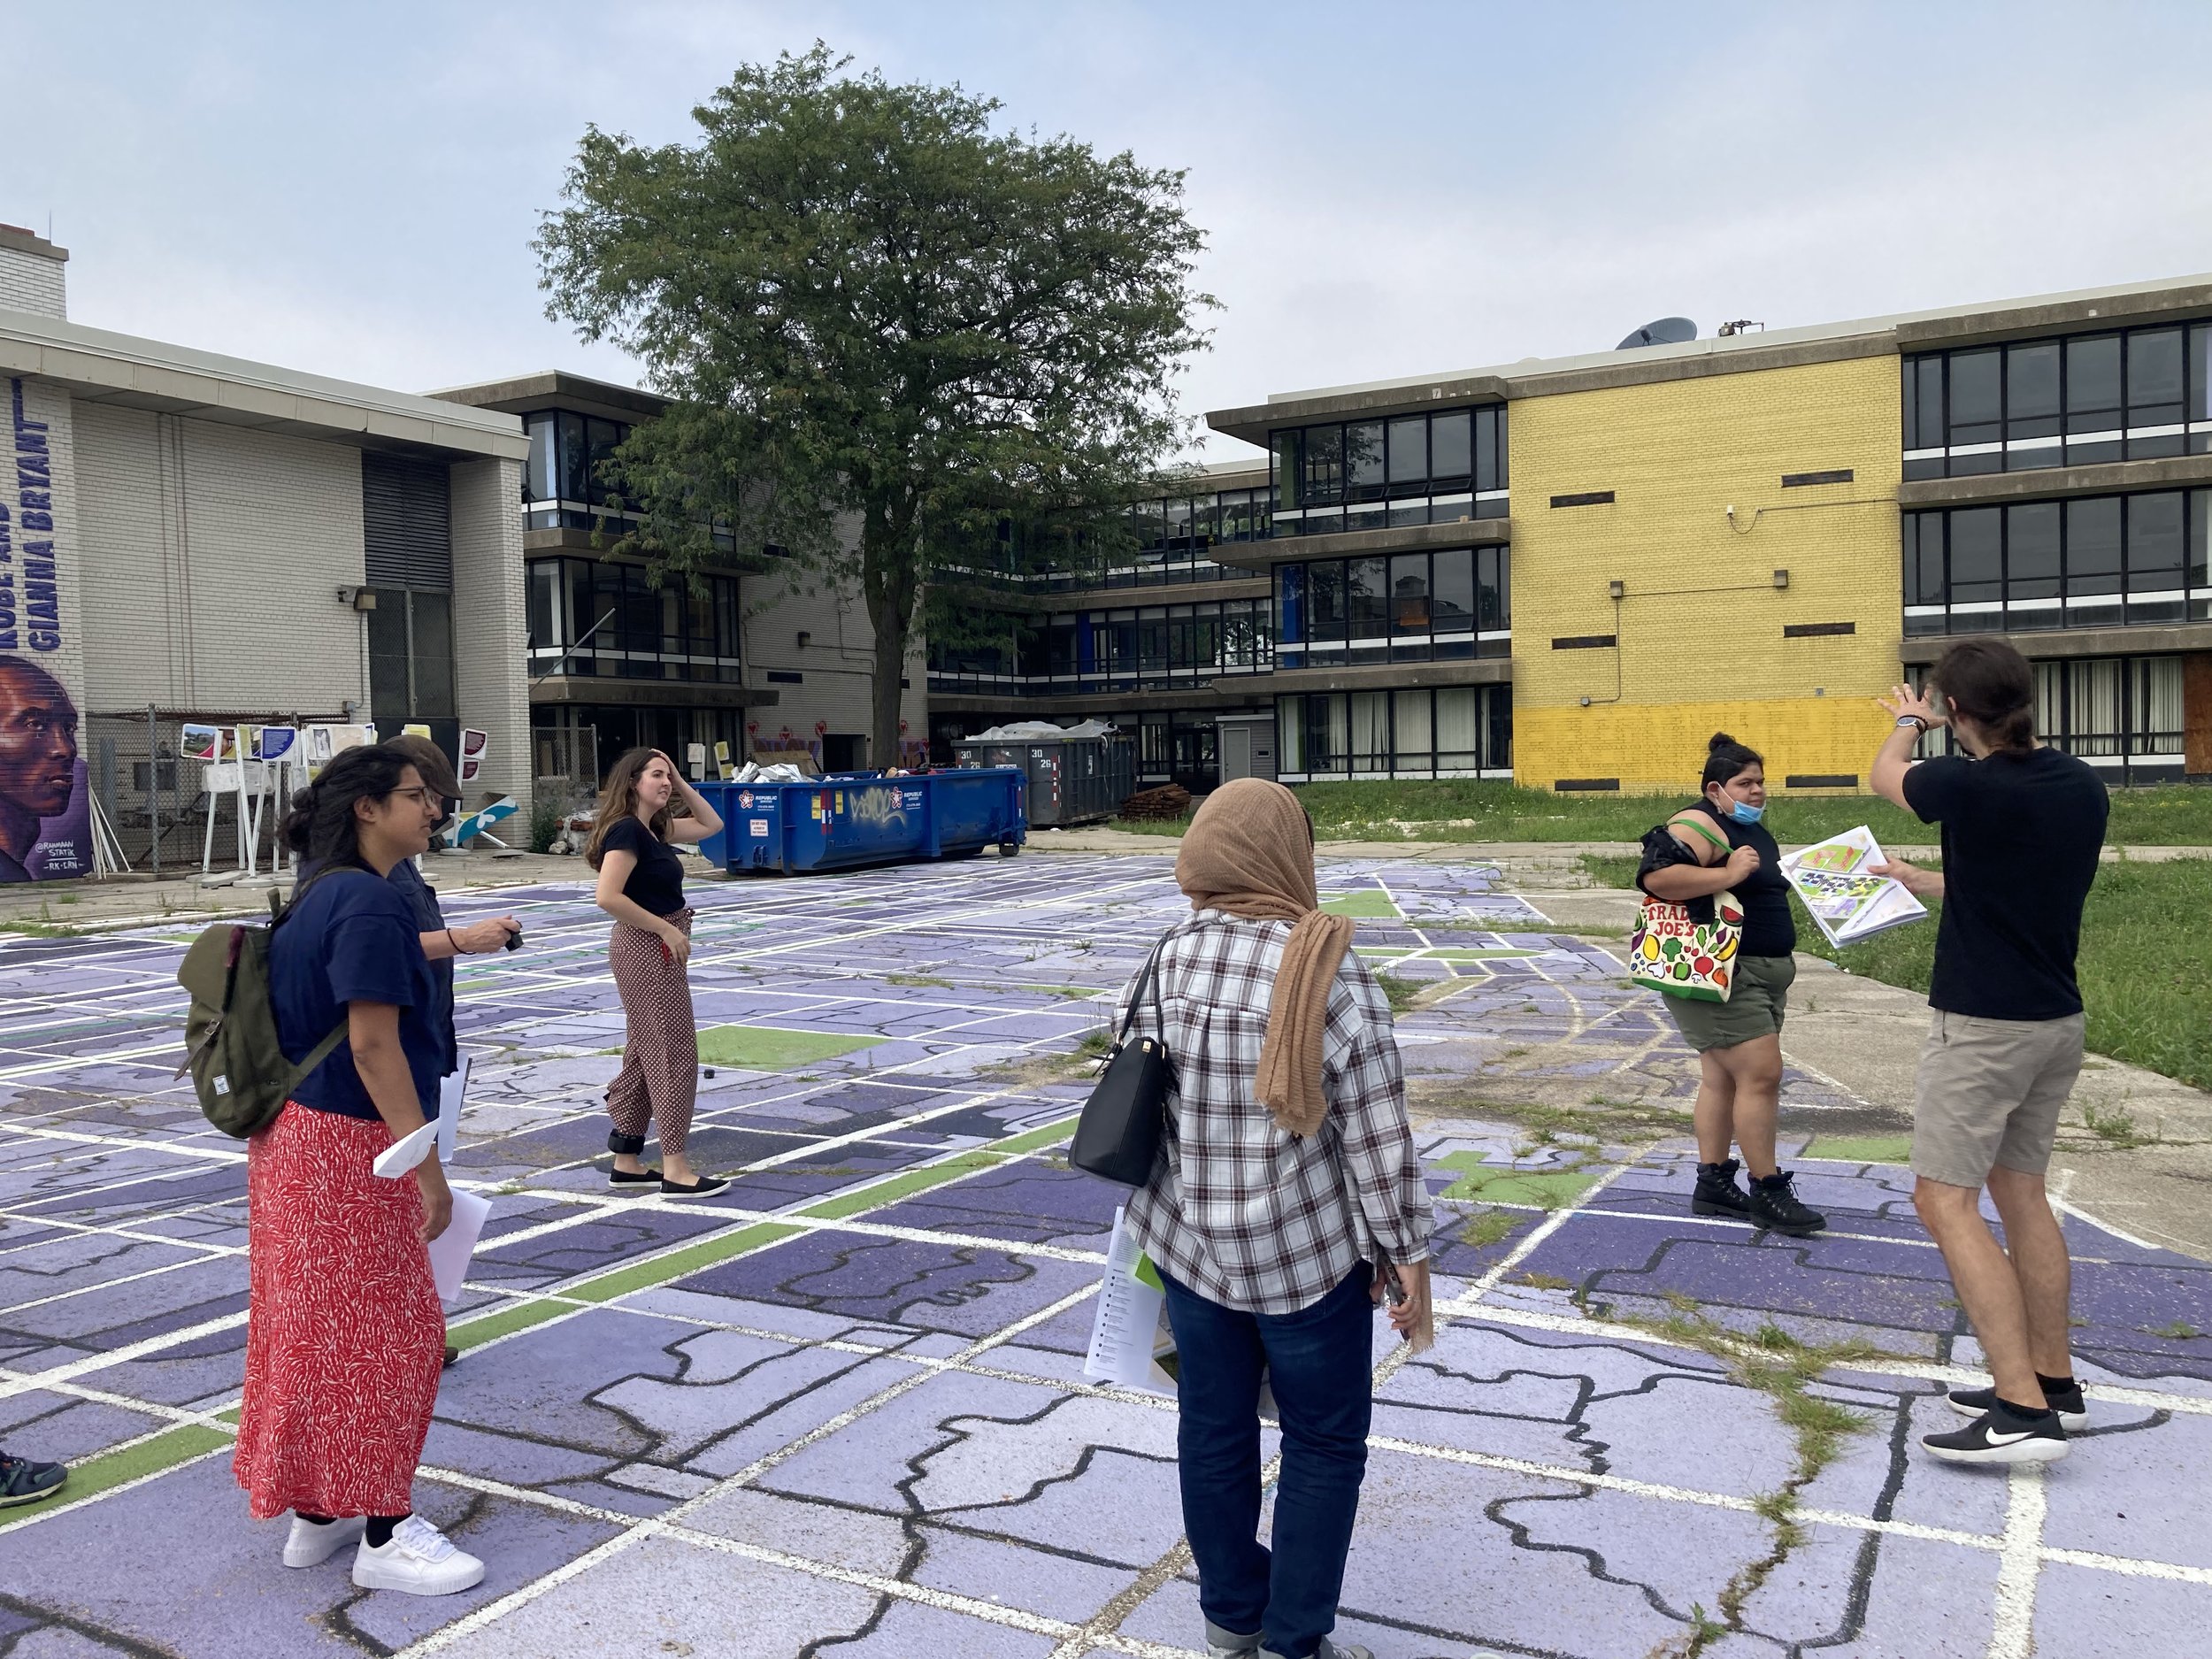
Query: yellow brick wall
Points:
[1677, 456]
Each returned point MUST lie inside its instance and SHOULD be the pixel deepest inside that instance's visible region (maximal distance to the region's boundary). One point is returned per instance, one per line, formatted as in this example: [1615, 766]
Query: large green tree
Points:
[889, 329]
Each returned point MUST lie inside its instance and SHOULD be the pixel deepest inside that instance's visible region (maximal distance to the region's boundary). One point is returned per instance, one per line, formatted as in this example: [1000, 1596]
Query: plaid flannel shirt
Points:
[1238, 1211]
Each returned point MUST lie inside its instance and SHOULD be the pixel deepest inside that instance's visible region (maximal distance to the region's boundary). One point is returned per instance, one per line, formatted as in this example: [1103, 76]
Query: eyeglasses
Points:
[420, 795]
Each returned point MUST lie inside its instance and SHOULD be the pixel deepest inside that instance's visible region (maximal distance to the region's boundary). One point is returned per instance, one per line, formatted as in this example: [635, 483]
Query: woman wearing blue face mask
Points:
[1718, 844]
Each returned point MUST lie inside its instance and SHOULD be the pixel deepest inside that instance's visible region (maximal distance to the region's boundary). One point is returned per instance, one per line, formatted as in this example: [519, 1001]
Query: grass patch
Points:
[918, 978]
[772, 1048]
[1490, 1226]
[1170, 827]
[1611, 870]
[1502, 1184]
[2146, 964]
[1370, 903]
[1862, 1148]
[39, 930]
[109, 1470]
[1401, 992]
[1476, 810]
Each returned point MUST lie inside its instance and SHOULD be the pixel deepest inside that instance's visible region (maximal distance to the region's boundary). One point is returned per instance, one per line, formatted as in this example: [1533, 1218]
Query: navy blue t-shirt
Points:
[430, 919]
[353, 938]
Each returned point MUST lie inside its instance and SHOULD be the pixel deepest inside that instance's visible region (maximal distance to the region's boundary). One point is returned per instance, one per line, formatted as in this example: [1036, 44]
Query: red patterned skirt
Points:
[346, 1333]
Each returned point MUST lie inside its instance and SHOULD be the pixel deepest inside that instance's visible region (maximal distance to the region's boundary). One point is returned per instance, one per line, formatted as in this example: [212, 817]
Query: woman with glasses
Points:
[345, 1334]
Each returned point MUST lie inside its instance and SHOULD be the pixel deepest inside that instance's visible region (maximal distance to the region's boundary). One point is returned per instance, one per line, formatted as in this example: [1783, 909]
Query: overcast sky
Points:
[350, 189]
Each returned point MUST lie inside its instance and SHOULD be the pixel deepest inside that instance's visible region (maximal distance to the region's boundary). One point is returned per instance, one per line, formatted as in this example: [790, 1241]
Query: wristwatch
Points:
[1914, 721]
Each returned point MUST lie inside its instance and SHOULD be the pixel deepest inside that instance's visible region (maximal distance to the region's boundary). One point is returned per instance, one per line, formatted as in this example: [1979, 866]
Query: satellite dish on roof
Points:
[1667, 331]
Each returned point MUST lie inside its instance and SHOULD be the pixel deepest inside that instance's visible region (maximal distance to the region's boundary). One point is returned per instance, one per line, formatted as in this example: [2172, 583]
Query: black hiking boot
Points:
[1775, 1208]
[1718, 1194]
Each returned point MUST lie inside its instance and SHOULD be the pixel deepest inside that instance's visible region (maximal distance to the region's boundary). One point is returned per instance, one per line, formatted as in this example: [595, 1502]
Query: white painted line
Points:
[2019, 1561]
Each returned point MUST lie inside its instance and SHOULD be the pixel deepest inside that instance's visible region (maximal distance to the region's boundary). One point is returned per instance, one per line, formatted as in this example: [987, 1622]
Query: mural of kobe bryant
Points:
[38, 761]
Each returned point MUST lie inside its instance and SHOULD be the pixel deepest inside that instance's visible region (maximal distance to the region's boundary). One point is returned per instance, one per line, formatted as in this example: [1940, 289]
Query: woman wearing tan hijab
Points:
[1287, 1199]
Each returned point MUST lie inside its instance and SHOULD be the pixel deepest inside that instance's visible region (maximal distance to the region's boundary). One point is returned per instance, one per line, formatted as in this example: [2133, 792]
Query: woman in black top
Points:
[642, 885]
[1717, 844]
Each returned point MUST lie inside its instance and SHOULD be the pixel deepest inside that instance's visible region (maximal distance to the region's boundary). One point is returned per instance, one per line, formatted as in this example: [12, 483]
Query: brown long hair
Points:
[618, 801]
[1991, 684]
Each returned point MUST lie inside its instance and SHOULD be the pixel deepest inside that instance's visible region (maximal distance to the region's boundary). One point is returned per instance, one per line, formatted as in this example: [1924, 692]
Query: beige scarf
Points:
[1250, 852]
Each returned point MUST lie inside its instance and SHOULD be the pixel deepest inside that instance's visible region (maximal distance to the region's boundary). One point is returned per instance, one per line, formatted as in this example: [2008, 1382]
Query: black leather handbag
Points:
[1118, 1138]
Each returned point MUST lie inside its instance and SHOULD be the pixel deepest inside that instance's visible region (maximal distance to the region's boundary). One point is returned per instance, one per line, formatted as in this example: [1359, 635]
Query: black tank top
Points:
[1769, 929]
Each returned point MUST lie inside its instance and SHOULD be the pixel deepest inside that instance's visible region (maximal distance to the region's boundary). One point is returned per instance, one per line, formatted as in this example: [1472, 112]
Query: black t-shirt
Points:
[1769, 929]
[431, 919]
[2021, 835]
[657, 883]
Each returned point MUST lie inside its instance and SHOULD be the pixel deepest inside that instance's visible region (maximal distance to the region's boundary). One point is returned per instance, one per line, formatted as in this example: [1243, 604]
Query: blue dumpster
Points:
[851, 818]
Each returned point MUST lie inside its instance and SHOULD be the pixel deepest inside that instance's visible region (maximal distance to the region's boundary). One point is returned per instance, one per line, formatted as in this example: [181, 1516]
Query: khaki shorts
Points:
[1753, 1010]
[1989, 1092]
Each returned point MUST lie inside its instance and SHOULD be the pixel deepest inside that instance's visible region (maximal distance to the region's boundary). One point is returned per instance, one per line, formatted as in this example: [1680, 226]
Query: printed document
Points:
[1848, 902]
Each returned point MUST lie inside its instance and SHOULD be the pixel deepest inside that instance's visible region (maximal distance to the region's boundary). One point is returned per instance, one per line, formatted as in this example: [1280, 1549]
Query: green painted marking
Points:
[1862, 1148]
[677, 1264]
[1030, 1140]
[1370, 903]
[486, 1328]
[1385, 953]
[773, 1048]
[1501, 1184]
[905, 1184]
[109, 1470]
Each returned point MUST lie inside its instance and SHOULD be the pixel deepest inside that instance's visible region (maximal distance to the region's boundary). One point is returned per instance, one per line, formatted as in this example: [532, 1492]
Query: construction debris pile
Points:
[1169, 801]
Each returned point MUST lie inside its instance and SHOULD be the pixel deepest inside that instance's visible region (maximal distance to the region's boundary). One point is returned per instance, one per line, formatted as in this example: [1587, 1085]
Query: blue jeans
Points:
[1318, 1361]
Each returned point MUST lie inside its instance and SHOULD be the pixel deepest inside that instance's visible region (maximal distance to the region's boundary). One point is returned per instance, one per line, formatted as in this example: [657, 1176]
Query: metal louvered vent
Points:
[407, 529]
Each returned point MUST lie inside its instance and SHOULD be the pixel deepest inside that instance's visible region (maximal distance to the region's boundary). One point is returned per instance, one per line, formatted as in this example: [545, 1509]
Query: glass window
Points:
[2093, 706]
[600, 438]
[1236, 515]
[575, 481]
[541, 476]
[387, 659]
[1452, 599]
[1410, 456]
[1490, 472]
[2155, 377]
[545, 604]
[1977, 561]
[1410, 610]
[2093, 383]
[1363, 461]
[2032, 405]
[1371, 731]
[1924, 403]
[1325, 605]
[1975, 404]
[1286, 464]
[1147, 526]
[431, 632]
[1178, 523]
[2199, 538]
[1413, 750]
[2031, 549]
[2155, 558]
[1451, 451]
[1290, 735]
[2093, 546]
[1370, 598]
[1924, 558]
[1493, 600]
[2201, 374]
[1459, 728]
[1290, 603]
[2155, 702]
[1322, 479]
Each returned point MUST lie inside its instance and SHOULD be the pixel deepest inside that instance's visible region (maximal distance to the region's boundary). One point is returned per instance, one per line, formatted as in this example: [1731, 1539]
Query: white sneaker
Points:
[310, 1546]
[420, 1561]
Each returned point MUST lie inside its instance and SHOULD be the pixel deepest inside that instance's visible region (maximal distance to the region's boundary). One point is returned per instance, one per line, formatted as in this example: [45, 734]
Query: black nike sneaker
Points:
[1774, 1207]
[2072, 1409]
[2001, 1435]
[1718, 1194]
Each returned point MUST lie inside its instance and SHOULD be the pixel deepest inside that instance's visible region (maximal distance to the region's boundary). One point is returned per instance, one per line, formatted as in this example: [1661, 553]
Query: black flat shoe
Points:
[623, 1182]
[452, 1354]
[705, 1186]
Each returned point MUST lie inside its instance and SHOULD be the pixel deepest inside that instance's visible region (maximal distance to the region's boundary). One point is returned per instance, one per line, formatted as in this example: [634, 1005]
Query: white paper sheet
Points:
[1847, 904]
[450, 1095]
[450, 1250]
[406, 1152]
[1124, 1328]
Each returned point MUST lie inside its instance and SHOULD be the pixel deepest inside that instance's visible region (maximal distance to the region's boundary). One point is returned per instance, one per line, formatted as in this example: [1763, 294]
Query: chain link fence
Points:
[157, 802]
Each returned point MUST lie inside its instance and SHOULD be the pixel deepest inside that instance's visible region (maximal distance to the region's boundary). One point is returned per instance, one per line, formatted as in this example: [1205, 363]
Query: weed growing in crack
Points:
[1783, 1366]
[2115, 1128]
[1489, 1226]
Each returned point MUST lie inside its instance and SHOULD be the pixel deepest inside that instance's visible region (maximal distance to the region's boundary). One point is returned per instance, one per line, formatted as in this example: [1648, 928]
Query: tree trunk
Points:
[890, 618]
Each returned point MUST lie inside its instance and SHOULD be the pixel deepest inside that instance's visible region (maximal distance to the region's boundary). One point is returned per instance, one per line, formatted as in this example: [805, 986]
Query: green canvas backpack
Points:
[231, 1049]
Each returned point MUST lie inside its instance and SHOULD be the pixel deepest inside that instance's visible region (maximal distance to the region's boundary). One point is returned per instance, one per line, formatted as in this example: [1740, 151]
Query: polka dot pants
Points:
[659, 1079]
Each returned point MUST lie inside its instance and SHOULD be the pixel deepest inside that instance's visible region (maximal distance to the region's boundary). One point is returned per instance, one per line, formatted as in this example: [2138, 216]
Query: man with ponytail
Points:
[2023, 825]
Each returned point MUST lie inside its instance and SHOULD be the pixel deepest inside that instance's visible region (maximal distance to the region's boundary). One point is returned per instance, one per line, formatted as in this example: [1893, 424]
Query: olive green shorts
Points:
[1753, 1010]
